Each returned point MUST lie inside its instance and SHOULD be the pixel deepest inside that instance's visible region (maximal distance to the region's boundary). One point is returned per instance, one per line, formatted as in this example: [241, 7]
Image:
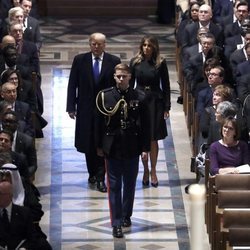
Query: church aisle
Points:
[76, 215]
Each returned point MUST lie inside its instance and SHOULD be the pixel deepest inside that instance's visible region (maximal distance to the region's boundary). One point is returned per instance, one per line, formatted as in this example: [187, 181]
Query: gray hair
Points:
[226, 109]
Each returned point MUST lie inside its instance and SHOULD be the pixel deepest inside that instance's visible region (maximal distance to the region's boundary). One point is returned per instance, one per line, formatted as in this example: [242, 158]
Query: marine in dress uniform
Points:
[122, 136]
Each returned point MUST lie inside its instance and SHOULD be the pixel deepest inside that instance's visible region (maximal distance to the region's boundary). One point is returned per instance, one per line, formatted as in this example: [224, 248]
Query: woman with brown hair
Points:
[150, 77]
[229, 152]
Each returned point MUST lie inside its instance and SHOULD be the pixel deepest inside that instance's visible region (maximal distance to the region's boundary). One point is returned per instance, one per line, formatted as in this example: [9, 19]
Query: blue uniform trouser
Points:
[121, 176]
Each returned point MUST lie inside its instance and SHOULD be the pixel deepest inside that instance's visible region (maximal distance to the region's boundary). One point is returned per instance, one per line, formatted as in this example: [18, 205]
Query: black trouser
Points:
[95, 165]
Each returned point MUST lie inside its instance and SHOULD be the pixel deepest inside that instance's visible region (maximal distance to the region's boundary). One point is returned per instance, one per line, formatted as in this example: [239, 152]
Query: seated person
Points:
[22, 143]
[205, 96]
[224, 110]
[16, 227]
[27, 199]
[229, 152]
[25, 90]
[221, 93]
[9, 94]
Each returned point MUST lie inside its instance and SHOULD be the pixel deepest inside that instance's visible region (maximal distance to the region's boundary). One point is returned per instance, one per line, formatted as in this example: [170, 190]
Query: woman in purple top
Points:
[229, 152]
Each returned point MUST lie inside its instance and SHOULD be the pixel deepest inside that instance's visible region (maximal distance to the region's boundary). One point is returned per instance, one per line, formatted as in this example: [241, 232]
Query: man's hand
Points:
[72, 115]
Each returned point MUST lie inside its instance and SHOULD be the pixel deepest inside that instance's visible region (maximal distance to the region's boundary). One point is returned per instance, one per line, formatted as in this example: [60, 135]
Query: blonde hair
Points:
[13, 11]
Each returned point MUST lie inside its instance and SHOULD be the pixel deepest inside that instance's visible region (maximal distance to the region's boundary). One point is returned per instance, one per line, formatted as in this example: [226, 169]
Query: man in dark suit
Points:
[6, 139]
[9, 94]
[240, 55]
[28, 56]
[122, 135]
[22, 143]
[16, 227]
[235, 27]
[222, 8]
[193, 70]
[31, 25]
[215, 78]
[90, 73]
[205, 20]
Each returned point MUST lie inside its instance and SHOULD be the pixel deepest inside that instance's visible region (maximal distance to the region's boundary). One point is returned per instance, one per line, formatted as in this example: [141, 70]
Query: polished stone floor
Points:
[76, 215]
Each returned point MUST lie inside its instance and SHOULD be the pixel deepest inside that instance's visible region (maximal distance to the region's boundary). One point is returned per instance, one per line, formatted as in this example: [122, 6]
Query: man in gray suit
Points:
[90, 73]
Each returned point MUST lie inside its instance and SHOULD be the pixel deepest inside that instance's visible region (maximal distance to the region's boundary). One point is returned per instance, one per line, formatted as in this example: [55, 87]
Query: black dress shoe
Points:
[180, 100]
[101, 186]
[187, 189]
[117, 232]
[126, 222]
[92, 180]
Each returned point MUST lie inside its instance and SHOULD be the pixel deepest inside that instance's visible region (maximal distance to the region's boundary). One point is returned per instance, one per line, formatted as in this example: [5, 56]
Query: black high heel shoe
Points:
[145, 179]
[156, 183]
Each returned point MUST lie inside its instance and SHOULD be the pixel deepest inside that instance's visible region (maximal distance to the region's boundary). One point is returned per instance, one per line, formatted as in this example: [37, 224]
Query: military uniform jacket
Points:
[122, 134]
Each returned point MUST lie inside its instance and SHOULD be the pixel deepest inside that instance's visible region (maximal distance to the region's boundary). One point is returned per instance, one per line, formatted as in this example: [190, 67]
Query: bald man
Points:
[205, 15]
[8, 40]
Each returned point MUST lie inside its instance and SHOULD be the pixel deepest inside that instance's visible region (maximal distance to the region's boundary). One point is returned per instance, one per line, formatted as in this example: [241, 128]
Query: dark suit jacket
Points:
[26, 93]
[237, 57]
[25, 145]
[204, 99]
[190, 34]
[242, 69]
[222, 8]
[32, 32]
[231, 44]
[232, 29]
[188, 52]
[21, 227]
[243, 87]
[29, 56]
[82, 91]
[24, 114]
[20, 161]
[193, 71]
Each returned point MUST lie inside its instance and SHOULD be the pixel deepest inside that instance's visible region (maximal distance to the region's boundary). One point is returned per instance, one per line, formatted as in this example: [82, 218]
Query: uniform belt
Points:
[148, 88]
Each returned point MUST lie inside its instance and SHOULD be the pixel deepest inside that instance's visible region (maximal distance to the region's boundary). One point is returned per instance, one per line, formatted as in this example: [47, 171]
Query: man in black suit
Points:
[90, 73]
[205, 20]
[16, 227]
[22, 143]
[31, 25]
[9, 94]
[193, 70]
[122, 135]
[240, 55]
[205, 96]
[28, 56]
[241, 14]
